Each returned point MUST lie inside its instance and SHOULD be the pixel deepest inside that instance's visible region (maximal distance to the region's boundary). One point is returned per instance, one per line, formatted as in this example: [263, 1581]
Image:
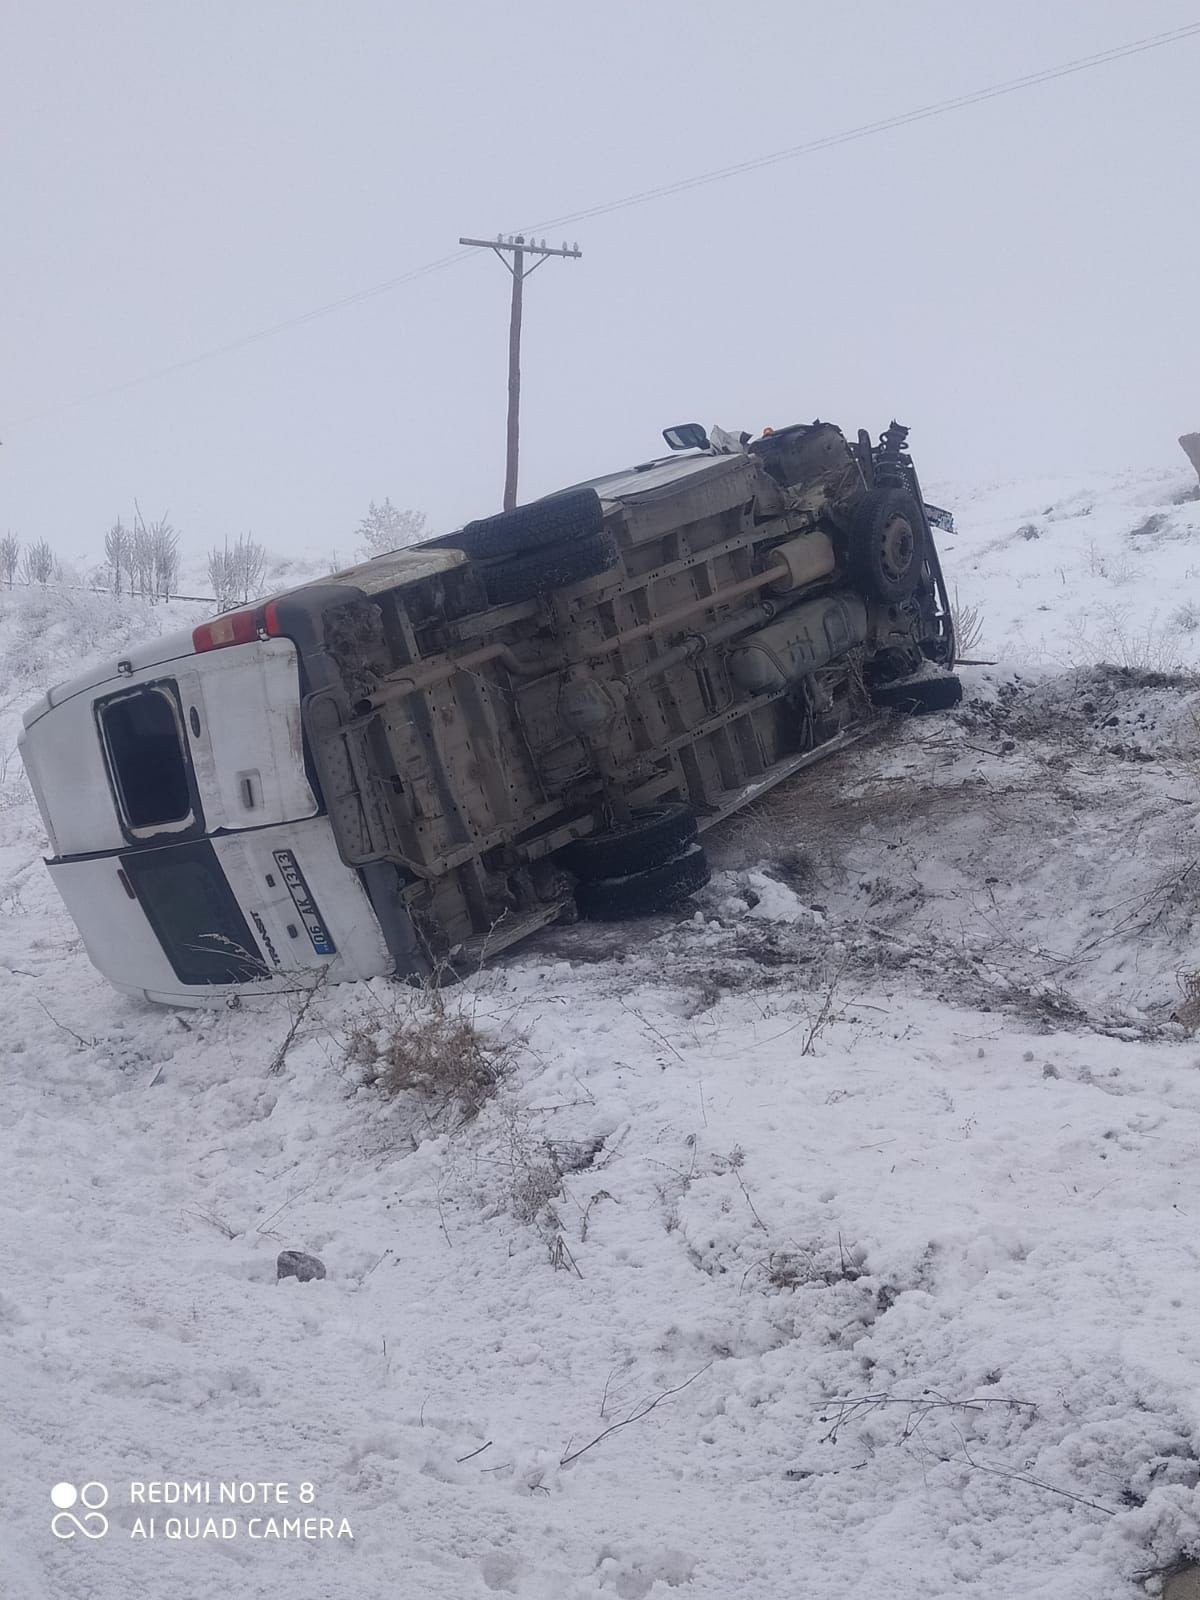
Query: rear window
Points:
[143, 739]
[190, 906]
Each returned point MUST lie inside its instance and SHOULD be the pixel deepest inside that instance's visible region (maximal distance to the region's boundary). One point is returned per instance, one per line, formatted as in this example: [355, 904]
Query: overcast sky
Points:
[1016, 280]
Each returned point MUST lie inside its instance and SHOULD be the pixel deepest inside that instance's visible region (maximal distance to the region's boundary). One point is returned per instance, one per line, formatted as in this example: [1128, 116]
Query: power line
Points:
[251, 338]
[885, 124]
[866, 130]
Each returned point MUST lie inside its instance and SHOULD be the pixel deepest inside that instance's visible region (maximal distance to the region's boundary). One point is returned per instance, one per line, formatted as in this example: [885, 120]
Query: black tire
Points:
[887, 544]
[647, 840]
[526, 577]
[641, 894]
[559, 519]
[921, 696]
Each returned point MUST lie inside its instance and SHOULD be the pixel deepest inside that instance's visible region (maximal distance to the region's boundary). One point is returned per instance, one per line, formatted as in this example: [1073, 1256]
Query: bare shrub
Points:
[1109, 636]
[1186, 617]
[432, 1050]
[968, 625]
[10, 555]
[39, 564]
[1117, 569]
[534, 1176]
[826, 1009]
[445, 1058]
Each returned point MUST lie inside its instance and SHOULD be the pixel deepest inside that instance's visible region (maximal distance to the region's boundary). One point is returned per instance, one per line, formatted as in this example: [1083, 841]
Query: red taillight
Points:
[237, 627]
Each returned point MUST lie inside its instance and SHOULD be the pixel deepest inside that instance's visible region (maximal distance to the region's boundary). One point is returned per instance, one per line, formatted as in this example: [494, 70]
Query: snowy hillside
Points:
[1070, 572]
[837, 1238]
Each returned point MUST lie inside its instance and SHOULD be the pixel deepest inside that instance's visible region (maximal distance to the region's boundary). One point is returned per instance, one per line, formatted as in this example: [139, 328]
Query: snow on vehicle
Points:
[423, 759]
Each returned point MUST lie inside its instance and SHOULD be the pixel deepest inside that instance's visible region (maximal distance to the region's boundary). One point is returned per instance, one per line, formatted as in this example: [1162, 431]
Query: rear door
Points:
[194, 745]
[242, 711]
[111, 766]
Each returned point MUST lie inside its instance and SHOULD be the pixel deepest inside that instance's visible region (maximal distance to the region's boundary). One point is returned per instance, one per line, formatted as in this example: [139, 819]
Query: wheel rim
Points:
[896, 545]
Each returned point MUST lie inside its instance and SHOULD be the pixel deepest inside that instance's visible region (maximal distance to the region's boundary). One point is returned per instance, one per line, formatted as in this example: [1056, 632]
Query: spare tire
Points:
[641, 894]
[647, 840]
[537, 573]
[558, 519]
[887, 544]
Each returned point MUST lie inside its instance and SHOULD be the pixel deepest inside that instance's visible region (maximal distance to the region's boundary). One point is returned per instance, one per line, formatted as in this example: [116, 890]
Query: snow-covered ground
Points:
[838, 1238]
[1069, 572]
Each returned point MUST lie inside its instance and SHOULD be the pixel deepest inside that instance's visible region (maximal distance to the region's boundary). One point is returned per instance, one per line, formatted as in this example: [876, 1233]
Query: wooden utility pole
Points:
[518, 248]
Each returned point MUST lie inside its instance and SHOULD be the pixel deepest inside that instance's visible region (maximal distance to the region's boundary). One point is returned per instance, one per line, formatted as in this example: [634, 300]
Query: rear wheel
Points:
[641, 894]
[559, 519]
[647, 840]
[541, 571]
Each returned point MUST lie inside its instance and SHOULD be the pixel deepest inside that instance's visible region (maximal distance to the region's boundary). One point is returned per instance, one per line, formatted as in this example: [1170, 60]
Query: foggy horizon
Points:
[1012, 280]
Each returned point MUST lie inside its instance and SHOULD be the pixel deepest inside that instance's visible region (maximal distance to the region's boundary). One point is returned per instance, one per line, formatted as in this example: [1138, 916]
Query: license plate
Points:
[306, 906]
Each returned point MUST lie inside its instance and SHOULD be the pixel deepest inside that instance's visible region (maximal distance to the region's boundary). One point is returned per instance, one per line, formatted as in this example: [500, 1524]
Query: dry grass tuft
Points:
[431, 1051]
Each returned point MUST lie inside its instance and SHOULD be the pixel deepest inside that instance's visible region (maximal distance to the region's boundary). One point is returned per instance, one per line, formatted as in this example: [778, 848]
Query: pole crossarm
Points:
[529, 247]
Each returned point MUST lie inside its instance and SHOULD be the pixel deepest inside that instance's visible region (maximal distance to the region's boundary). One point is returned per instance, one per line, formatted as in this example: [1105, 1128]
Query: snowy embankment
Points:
[859, 1205]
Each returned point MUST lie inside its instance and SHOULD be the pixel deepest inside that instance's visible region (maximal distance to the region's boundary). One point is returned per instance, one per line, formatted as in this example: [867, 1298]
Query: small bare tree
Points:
[10, 555]
[39, 565]
[164, 549]
[236, 572]
[249, 567]
[220, 577]
[141, 560]
[385, 528]
[118, 553]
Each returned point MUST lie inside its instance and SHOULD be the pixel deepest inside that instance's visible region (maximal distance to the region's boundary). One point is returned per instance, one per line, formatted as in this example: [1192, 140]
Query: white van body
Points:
[408, 766]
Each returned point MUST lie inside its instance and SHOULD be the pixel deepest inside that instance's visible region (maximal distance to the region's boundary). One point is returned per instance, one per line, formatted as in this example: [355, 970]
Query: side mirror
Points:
[687, 436]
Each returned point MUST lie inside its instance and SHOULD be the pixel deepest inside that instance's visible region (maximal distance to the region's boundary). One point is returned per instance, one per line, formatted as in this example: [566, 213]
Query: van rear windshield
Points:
[190, 906]
[143, 738]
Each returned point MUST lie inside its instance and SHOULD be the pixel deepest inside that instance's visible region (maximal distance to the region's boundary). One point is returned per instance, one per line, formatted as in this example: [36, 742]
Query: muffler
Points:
[802, 641]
